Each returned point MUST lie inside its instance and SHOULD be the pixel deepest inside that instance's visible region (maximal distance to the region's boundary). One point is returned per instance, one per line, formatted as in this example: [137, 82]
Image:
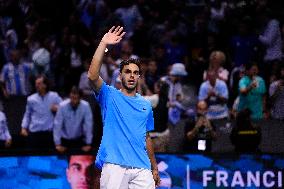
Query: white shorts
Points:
[123, 177]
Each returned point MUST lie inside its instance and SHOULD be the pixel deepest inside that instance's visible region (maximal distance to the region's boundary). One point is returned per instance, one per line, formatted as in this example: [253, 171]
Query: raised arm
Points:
[113, 36]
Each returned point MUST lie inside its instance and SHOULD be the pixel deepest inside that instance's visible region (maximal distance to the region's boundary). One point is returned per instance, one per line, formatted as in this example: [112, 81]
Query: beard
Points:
[128, 88]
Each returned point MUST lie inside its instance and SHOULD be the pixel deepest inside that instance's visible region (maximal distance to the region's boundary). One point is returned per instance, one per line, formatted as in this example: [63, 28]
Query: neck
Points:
[42, 93]
[128, 92]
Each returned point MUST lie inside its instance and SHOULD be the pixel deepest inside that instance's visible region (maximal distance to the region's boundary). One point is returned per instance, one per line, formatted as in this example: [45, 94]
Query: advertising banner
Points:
[220, 171]
[177, 171]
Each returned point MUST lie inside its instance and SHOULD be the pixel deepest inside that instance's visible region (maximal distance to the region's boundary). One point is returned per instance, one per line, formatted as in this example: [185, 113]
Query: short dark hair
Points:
[45, 81]
[129, 61]
[75, 90]
[251, 64]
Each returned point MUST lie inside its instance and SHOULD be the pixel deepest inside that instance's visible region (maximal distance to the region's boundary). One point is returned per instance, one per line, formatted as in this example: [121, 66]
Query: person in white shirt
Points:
[73, 124]
[37, 123]
[5, 137]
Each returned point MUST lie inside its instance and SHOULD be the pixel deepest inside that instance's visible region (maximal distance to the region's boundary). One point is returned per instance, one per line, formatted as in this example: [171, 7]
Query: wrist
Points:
[155, 169]
[103, 43]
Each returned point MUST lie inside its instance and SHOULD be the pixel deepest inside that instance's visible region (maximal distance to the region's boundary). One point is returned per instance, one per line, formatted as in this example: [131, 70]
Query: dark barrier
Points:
[181, 171]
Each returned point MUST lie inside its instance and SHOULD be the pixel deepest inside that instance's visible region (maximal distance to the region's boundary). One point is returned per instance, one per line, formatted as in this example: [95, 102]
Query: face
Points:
[40, 86]
[15, 56]
[74, 99]
[129, 77]
[152, 66]
[201, 108]
[216, 58]
[79, 171]
[253, 71]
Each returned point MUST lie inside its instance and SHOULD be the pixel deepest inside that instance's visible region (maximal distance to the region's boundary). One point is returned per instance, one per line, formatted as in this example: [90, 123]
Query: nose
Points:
[83, 179]
[132, 75]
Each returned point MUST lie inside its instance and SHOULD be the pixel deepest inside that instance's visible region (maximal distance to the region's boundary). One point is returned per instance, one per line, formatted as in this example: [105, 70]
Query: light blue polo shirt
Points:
[126, 120]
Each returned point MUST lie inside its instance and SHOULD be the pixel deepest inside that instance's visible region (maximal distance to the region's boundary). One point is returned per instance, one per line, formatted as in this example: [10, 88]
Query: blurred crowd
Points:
[229, 51]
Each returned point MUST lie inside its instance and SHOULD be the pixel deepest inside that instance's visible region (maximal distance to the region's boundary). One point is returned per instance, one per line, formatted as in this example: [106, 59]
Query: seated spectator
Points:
[199, 132]
[215, 92]
[5, 137]
[276, 94]
[73, 123]
[245, 136]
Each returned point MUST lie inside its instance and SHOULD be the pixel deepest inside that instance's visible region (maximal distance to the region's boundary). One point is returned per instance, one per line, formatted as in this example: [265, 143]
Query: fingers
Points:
[111, 29]
[122, 34]
[120, 37]
[117, 30]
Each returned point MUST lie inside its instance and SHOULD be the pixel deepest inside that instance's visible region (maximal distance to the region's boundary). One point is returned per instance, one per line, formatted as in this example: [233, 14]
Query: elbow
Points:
[92, 77]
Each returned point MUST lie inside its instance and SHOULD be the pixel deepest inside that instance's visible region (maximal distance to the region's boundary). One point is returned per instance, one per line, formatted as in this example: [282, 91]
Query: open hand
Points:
[113, 36]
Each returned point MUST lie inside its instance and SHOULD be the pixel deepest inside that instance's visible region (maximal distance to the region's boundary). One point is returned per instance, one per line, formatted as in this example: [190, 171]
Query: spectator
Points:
[270, 38]
[252, 92]
[41, 60]
[9, 43]
[215, 92]
[73, 123]
[159, 101]
[74, 55]
[200, 131]
[5, 137]
[129, 15]
[244, 45]
[176, 110]
[276, 94]
[245, 136]
[37, 123]
[216, 62]
[84, 81]
[173, 79]
[176, 51]
[84, 86]
[151, 75]
[16, 75]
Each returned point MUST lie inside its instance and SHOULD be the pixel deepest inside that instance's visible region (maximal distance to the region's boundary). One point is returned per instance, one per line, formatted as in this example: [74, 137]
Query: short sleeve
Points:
[101, 96]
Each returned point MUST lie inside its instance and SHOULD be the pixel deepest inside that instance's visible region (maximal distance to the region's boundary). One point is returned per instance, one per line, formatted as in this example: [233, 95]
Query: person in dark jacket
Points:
[245, 136]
